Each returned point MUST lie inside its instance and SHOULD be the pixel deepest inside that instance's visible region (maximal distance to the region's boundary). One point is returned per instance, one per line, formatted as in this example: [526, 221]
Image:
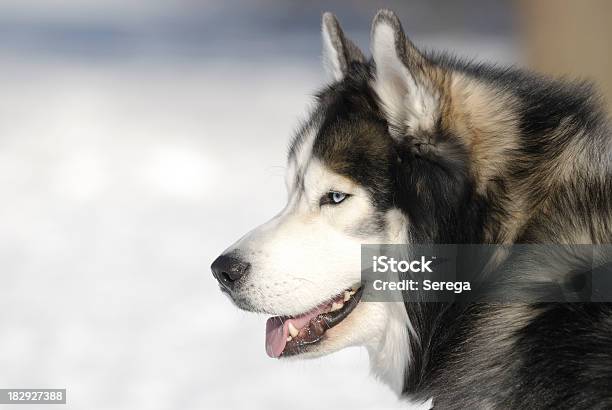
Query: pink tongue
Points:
[277, 331]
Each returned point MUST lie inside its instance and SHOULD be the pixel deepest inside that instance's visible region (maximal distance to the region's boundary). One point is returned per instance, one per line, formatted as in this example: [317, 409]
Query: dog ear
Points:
[338, 51]
[408, 97]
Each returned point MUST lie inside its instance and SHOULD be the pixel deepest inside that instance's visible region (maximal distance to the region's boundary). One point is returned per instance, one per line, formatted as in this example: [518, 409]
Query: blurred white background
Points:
[138, 140]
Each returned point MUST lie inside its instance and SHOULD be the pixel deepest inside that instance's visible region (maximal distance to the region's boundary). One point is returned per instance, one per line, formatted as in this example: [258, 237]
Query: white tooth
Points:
[347, 296]
[336, 306]
[289, 338]
[294, 332]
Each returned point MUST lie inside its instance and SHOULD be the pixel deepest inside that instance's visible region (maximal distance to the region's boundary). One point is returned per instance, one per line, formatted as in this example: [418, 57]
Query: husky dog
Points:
[412, 147]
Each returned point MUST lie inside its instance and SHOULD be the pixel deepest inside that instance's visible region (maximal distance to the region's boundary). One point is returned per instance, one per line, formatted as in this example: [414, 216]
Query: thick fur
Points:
[434, 149]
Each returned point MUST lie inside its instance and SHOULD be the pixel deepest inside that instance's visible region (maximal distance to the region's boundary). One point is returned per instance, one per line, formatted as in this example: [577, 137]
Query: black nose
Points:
[227, 269]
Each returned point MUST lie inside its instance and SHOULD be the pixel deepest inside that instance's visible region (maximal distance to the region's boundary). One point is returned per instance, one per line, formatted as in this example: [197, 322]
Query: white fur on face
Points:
[382, 327]
[308, 254]
[305, 255]
[408, 103]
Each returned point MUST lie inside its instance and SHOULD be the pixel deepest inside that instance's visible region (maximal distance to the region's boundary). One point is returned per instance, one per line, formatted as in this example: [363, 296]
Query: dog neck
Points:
[390, 352]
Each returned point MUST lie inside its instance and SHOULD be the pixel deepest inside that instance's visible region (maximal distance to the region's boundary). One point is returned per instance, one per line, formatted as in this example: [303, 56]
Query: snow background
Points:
[138, 140]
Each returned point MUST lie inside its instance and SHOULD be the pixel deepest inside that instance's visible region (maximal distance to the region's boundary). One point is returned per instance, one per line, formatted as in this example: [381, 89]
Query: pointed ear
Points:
[338, 51]
[401, 81]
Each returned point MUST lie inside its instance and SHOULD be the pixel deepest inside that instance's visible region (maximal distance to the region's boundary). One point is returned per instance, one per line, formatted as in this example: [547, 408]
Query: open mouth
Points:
[290, 335]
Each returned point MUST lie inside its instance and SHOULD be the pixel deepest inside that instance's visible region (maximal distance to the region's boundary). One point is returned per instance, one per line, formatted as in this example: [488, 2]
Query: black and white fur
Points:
[431, 149]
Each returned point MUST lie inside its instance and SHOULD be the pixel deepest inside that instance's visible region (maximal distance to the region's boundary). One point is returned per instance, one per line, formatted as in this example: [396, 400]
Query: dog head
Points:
[382, 158]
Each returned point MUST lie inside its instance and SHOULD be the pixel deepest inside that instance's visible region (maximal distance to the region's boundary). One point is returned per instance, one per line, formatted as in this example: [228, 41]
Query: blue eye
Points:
[333, 198]
[337, 197]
